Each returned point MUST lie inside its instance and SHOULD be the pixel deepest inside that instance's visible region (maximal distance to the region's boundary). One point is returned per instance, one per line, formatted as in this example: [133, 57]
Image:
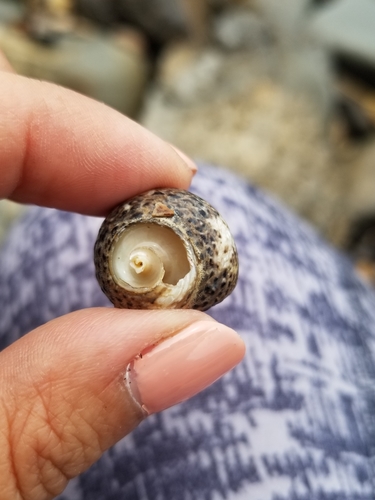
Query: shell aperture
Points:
[146, 254]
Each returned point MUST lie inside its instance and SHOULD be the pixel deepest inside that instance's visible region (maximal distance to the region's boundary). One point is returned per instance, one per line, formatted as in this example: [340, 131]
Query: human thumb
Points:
[73, 387]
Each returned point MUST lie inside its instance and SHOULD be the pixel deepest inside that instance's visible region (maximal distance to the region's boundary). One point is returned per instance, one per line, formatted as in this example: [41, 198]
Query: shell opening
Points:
[147, 254]
[145, 268]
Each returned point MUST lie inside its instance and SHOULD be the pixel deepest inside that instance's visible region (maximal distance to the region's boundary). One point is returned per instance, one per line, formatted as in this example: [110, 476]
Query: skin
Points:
[62, 397]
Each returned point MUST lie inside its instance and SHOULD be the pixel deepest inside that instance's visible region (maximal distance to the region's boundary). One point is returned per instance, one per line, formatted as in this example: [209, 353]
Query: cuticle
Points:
[132, 389]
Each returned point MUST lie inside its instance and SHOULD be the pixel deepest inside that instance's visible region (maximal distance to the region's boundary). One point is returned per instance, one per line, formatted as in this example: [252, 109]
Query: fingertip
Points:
[190, 164]
[69, 398]
[67, 151]
[183, 365]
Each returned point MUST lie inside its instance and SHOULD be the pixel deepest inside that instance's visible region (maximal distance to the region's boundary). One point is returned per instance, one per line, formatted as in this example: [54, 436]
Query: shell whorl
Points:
[197, 267]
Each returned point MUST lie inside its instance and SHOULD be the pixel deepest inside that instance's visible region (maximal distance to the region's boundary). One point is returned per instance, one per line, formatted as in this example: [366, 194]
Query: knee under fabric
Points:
[294, 421]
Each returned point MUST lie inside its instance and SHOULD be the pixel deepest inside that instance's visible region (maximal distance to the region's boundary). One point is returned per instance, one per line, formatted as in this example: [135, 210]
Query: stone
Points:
[236, 115]
[160, 20]
[347, 27]
[110, 68]
[240, 110]
[239, 28]
[11, 11]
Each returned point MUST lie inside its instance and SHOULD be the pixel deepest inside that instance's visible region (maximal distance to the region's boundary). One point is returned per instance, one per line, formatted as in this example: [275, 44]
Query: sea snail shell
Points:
[165, 249]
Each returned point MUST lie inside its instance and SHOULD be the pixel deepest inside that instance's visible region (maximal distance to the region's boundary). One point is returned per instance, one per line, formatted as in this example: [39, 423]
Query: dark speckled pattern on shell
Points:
[194, 220]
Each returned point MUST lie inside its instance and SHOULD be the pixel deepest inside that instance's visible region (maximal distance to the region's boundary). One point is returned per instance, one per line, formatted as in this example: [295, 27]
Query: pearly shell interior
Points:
[148, 254]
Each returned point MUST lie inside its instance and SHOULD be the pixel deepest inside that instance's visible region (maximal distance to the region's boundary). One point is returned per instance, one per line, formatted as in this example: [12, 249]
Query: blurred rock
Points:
[161, 20]
[197, 20]
[362, 95]
[111, 68]
[356, 104]
[267, 109]
[240, 28]
[267, 112]
[229, 109]
[301, 62]
[11, 11]
[47, 20]
[347, 27]
[361, 184]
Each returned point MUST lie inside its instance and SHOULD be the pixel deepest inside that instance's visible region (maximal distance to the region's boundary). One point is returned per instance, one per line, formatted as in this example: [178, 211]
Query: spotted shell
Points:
[209, 266]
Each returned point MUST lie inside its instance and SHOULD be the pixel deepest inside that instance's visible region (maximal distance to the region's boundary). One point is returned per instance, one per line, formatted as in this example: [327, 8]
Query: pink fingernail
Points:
[189, 162]
[183, 365]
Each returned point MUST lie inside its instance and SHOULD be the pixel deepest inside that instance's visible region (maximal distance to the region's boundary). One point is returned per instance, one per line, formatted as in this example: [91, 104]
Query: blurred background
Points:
[281, 92]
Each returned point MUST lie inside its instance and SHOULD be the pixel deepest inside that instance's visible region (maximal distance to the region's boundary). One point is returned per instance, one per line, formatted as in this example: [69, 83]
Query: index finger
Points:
[61, 149]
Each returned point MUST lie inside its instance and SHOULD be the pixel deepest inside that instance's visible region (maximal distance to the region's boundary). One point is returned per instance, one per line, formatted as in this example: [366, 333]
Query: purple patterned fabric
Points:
[294, 421]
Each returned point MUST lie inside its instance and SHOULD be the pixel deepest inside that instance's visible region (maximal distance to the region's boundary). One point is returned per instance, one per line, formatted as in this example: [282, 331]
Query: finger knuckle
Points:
[43, 437]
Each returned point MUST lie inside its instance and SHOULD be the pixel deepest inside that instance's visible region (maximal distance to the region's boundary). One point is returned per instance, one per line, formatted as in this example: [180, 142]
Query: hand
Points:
[64, 396]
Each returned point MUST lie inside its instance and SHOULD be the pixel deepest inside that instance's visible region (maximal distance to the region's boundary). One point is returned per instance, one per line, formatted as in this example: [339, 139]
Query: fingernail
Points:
[189, 162]
[183, 365]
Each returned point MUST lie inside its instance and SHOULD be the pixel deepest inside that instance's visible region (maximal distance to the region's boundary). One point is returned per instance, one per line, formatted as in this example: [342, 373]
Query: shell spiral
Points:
[165, 248]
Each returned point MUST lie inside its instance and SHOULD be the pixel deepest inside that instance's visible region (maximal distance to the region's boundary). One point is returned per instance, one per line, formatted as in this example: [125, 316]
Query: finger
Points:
[61, 149]
[73, 387]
